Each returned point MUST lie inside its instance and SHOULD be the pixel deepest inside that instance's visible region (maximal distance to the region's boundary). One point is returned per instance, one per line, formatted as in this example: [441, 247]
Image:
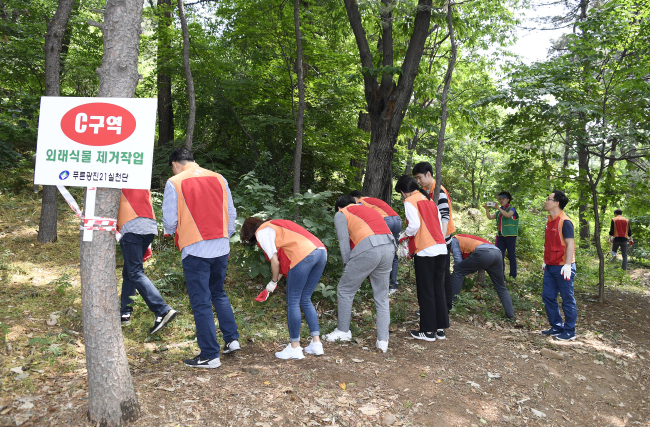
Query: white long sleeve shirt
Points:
[413, 219]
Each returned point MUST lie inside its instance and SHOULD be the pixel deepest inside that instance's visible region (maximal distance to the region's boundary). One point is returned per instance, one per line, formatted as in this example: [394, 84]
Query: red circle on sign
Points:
[98, 124]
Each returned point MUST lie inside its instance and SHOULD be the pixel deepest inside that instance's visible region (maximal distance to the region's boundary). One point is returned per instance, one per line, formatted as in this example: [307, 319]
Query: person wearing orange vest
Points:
[620, 236]
[299, 256]
[423, 172]
[198, 210]
[394, 223]
[471, 254]
[427, 245]
[136, 222]
[367, 248]
[559, 268]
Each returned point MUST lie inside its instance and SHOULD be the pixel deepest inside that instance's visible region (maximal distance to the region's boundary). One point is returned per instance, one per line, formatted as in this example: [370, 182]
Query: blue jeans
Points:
[133, 248]
[553, 284]
[394, 224]
[508, 243]
[204, 278]
[302, 279]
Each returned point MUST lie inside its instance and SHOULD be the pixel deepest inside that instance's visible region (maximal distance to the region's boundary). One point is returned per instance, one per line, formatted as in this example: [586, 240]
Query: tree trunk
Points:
[111, 396]
[583, 165]
[188, 76]
[297, 155]
[411, 149]
[165, 107]
[443, 103]
[47, 227]
[599, 248]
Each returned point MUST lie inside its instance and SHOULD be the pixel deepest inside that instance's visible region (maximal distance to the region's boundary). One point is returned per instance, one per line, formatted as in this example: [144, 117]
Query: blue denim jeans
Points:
[302, 279]
[508, 243]
[553, 284]
[133, 278]
[204, 278]
[394, 224]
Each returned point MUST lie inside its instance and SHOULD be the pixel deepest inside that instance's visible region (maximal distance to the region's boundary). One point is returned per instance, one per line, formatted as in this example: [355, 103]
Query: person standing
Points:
[299, 256]
[620, 236]
[136, 222]
[394, 223]
[367, 248]
[507, 230]
[423, 172]
[427, 244]
[559, 268]
[198, 210]
[471, 254]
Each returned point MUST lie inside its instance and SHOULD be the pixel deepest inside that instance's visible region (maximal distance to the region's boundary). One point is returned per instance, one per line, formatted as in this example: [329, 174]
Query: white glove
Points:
[271, 286]
[611, 239]
[543, 266]
[566, 271]
[401, 236]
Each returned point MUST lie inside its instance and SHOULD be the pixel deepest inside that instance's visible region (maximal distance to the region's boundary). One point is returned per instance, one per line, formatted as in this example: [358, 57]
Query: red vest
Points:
[292, 241]
[363, 222]
[202, 205]
[469, 243]
[554, 244]
[134, 204]
[430, 231]
[621, 227]
[379, 205]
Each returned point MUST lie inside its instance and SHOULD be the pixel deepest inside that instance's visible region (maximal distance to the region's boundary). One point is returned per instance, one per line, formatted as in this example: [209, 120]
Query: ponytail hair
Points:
[408, 184]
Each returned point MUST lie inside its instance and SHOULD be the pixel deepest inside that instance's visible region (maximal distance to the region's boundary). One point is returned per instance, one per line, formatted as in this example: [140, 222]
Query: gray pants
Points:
[376, 264]
[623, 246]
[490, 260]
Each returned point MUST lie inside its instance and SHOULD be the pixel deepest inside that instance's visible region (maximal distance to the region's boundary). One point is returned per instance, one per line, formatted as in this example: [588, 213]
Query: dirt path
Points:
[480, 375]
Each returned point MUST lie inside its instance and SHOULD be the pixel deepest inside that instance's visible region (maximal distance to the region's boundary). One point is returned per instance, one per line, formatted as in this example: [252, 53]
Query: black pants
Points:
[508, 243]
[449, 288]
[430, 281]
[623, 246]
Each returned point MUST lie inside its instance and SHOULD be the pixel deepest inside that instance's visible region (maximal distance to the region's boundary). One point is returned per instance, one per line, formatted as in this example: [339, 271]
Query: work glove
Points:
[566, 271]
[264, 295]
[543, 266]
[147, 254]
[271, 286]
[631, 242]
[611, 239]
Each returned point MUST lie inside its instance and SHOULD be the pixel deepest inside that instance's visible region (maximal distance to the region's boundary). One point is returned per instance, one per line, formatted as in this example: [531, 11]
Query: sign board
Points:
[95, 142]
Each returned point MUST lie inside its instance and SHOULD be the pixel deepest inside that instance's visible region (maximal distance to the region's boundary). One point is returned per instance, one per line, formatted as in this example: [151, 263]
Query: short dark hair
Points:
[561, 198]
[505, 193]
[618, 212]
[179, 155]
[356, 193]
[248, 229]
[408, 184]
[343, 201]
[423, 168]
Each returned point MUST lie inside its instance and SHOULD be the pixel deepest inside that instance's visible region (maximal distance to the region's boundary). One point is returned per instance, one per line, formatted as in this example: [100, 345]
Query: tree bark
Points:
[56, 28]
[165, 107]
[297, 155]
[599, 249]
[188, 76]
[443, 102]
[111, 397]
[387, 101]
[583, 167]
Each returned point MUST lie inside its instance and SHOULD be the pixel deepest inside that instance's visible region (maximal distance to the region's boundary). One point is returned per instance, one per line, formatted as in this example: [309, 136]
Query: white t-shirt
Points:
[414, 225]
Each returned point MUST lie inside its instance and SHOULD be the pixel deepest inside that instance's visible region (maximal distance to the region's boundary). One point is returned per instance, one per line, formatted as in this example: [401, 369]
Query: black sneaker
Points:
[417, 312]
[231, 347]
[161, 321]
[199, 362]
[440, 334]
[427, 336]
[126, 319]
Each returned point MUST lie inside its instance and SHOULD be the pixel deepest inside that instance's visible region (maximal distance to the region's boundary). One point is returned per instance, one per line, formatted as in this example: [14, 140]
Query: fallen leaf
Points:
[473, 384]
[17, 370]
[357, 360]
[266, 383]
[493, 375]
[537, 413]
[52, 320]
[342, 386]
[369, 410]
[232, 374]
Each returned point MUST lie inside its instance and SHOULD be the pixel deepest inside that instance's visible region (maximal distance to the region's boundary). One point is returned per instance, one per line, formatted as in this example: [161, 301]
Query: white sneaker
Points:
[382, 345]
[315, 348]
[290, 353]
[338, 335]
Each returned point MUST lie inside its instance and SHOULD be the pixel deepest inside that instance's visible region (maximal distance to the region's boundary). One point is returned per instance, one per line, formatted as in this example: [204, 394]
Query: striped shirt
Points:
[205, 248]
[140, 225]
[443, 208]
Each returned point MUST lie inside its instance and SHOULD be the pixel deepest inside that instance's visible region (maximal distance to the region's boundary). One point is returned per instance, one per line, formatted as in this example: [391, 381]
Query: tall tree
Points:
[111, 397]
[188, 76]
[297, 155]
[56, 30]
[164, 79]
[387, 101]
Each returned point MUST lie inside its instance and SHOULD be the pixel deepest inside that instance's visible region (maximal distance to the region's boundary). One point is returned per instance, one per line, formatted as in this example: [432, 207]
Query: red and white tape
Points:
[90, 223]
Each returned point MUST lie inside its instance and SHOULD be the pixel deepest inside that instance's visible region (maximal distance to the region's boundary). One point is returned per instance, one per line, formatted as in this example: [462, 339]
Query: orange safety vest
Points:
[379, 205]
[134, 204]
[468, 243]
[363, 222]
[554, 244]
[621, 227]
[202, 205]
[450, 226]
[292, 241]
[430, 231]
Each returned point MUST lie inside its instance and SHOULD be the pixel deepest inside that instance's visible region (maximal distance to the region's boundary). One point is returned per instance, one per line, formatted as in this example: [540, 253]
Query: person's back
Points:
[620, 236]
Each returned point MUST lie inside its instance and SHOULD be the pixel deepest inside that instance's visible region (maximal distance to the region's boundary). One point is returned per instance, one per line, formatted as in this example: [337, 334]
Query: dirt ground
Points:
[482, 374]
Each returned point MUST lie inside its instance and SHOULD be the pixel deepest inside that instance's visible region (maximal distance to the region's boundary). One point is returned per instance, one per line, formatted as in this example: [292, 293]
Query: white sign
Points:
[96, 142]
